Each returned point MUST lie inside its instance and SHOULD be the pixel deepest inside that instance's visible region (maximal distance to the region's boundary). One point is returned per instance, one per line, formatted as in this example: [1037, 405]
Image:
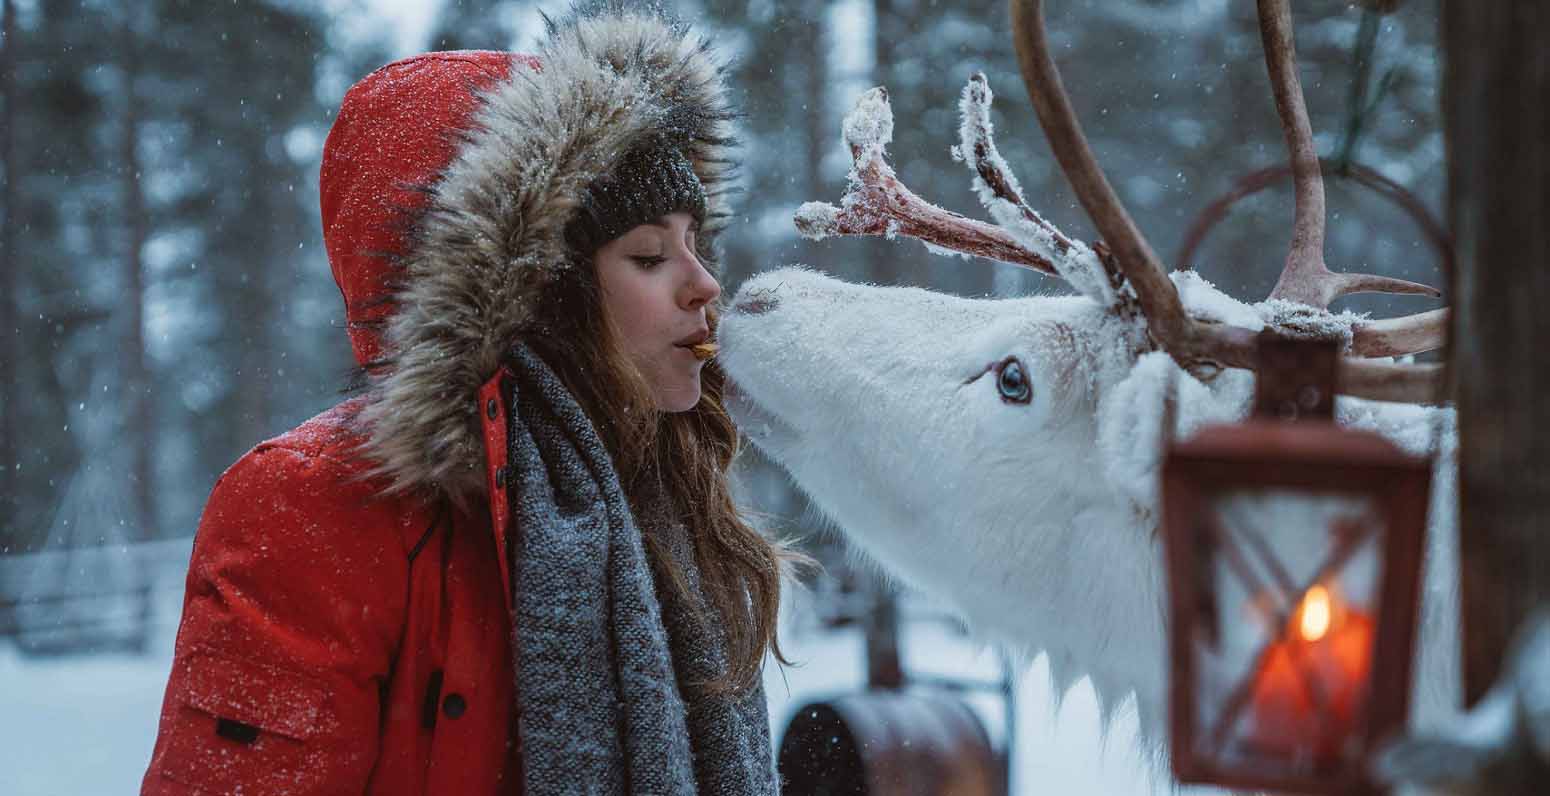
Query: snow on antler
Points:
[868, 129]
[877, 203]
[817, 220]
[1000, 193]
[867, 132]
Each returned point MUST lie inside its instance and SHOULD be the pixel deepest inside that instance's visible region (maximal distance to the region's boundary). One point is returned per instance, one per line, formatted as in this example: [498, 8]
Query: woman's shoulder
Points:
[314, 477]
[333, 435]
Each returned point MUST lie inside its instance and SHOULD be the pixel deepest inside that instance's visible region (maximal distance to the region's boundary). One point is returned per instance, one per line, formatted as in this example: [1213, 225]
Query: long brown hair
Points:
[688, 453]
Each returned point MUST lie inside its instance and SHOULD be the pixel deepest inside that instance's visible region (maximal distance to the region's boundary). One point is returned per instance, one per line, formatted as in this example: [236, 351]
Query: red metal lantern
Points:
[1294, 551]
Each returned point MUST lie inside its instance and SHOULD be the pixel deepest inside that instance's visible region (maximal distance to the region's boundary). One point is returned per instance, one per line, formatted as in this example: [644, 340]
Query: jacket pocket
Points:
[250, 727]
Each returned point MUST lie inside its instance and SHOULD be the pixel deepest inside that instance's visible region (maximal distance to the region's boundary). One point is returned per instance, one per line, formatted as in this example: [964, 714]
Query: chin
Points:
[680, 399]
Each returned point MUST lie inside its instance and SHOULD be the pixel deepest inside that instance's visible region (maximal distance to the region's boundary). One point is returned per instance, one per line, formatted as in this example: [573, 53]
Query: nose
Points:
[701, 288]
[756, 302]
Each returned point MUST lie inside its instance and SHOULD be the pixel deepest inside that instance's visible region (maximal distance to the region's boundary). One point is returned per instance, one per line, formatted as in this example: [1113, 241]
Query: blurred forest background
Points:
[165, 298]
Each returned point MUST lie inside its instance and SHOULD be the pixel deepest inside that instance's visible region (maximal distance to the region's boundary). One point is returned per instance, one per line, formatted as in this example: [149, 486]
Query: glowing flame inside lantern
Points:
[1315, 614]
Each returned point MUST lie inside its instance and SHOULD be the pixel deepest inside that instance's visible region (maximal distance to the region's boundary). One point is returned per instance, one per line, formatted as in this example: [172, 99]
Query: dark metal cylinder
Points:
[901, 743]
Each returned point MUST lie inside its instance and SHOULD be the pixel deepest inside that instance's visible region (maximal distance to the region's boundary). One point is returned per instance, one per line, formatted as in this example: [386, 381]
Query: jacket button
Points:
[454, 705]
[502, 475]
[490, 409]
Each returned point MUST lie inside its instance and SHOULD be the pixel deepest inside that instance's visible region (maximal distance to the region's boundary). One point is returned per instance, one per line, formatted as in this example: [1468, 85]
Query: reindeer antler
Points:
[1123, 271]
[1091, 270]
[1305, 277]
[1411, 334]
[877, 203]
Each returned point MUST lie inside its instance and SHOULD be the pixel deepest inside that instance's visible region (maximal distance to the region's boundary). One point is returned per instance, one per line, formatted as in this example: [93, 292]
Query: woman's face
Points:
[656, 294]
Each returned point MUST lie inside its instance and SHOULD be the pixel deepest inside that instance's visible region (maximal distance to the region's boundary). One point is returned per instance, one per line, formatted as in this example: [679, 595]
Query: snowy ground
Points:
[1060, 752]
[84, 726]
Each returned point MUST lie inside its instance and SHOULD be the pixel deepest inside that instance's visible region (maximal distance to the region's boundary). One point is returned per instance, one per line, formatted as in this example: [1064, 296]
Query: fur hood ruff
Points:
[490, 232]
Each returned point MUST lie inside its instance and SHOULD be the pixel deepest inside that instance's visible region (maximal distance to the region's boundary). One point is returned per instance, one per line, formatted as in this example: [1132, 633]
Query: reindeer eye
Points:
[1012, 382]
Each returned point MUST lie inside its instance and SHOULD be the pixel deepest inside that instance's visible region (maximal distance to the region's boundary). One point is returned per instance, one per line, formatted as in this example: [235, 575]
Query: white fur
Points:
[1037, 521]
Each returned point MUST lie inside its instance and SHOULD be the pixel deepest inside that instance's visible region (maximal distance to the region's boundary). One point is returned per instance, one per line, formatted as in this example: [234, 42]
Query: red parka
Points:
[346, 627]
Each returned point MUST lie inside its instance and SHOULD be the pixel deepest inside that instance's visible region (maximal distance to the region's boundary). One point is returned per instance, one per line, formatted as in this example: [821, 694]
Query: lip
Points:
[694, 339]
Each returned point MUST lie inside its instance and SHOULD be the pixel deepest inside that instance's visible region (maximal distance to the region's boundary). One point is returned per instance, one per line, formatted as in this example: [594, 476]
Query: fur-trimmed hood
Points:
[447, 182]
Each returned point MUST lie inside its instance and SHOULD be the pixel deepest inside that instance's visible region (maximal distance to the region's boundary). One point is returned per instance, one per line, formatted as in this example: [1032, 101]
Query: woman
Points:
[512, 565]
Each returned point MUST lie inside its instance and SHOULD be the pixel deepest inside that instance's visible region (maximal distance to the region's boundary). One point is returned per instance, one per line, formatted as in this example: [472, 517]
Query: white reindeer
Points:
[1001, 455]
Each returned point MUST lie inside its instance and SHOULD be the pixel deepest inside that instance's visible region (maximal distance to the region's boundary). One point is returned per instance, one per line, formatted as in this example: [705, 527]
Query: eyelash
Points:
[649, 263]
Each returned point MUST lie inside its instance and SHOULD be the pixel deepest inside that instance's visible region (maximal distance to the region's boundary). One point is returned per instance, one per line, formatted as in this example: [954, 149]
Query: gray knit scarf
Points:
[604, 660]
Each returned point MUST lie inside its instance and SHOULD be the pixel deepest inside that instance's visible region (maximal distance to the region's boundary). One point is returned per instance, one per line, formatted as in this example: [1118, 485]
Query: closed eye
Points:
[649, 262]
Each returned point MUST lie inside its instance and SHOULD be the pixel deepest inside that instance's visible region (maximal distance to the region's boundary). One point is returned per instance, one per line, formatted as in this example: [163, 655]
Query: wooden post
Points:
[1496, 88]
[884, 669]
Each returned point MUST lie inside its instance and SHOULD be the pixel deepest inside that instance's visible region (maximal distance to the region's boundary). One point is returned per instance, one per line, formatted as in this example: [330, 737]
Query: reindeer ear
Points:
[1129, 427]
[1130, 433]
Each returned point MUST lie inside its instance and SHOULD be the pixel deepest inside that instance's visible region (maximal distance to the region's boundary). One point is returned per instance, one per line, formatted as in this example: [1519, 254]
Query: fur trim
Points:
[493, 232]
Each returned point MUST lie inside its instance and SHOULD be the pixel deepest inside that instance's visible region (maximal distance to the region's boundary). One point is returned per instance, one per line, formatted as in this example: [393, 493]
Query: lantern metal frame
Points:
[1316, 457]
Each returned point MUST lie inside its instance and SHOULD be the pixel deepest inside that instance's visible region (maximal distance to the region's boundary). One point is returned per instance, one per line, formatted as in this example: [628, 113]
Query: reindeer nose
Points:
[757, 302]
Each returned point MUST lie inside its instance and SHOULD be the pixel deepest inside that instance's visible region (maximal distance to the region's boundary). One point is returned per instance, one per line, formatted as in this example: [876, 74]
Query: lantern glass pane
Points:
[1283, 637]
